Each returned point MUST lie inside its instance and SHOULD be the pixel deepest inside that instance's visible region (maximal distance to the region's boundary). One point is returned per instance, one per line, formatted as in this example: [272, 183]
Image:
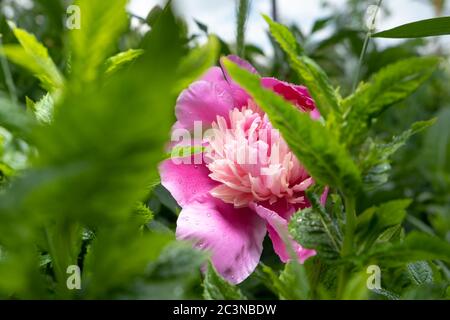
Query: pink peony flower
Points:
[249, 184]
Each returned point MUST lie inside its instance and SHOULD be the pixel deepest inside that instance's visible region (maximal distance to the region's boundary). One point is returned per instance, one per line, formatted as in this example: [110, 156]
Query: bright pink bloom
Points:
[250, 182]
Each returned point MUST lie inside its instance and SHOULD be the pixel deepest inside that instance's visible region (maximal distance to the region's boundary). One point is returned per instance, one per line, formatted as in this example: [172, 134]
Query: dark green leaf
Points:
[420, 272]
[314, 228]
[391, 85]
[194, 64]
[375, 220]
[423, 28]
[14, 119]
[416, 247]
[375, 157]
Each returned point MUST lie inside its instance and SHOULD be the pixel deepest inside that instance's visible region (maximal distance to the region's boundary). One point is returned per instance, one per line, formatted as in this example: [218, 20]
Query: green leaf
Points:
[175, 275]
[314, 228]
[420, 272]
[34, 57]
[374, 221]
[203, 27]
[122, 59]
[118, 256]
[387, 294]
[95, 161]
[197, 62]
[436, 152]
[375, 157]
[182, 152]
[312, 76]
[424, 28]
[15, 119]
[216, 288]
[391, 85]
[101, 24]
[284, 37]
[143, 214]
[356, 287]
[153, 15]
[295, 282]
[416, 247]
[43, 109]
[316, 148]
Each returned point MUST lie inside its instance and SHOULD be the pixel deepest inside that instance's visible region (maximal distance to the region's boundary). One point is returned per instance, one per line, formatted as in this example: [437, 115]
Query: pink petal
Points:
[240, 96]
[233, 236]
[213, 74]
[298, 95]
[203, 101]
[323, 197]
[277, 225]
[185, 181]
[241, 63]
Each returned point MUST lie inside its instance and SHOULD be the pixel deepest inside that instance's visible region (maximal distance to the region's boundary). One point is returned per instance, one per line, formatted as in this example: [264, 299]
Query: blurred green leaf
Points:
[436, 152]
[101, 23]
[242, 13]
[118, 256]
[175, 275]
[216, 288]
[356, 288]
[154, 15]
[390, 85]
[34, 57]
[201, 26]
[15, 119]
[375, 157]
[416, 247]
[122, 59]
[375, 220]
[196, 62]
[424, 28]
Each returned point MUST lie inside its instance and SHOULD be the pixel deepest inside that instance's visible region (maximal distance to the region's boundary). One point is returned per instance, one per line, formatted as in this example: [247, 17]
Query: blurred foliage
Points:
[82, 135]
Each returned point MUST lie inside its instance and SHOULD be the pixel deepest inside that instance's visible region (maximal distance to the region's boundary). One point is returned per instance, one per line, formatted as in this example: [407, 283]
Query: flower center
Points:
[252, 161]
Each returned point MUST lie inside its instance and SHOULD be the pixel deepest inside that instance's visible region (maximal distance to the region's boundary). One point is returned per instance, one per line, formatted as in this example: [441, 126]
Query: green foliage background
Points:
[85, 116]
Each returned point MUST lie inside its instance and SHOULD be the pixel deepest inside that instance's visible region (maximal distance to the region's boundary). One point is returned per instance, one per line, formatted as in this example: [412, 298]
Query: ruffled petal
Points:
[203, 101]
[185, 181]
[277, 226]
[296, 94]
[233, 236]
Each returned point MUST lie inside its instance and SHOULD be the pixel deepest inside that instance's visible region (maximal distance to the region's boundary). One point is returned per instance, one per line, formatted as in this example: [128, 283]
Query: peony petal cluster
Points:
[249, 184]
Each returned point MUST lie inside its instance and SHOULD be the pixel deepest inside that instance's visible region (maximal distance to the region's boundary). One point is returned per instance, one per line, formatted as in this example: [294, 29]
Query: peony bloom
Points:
[249, 183]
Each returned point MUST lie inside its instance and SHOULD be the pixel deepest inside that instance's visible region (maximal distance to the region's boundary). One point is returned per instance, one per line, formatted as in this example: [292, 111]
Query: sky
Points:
[219, 15]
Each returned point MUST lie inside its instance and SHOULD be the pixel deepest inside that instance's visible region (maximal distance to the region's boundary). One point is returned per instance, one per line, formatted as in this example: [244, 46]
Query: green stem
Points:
[350, 225]
[347, 247]
[242, 15]
[364, 48]
[8, 76]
